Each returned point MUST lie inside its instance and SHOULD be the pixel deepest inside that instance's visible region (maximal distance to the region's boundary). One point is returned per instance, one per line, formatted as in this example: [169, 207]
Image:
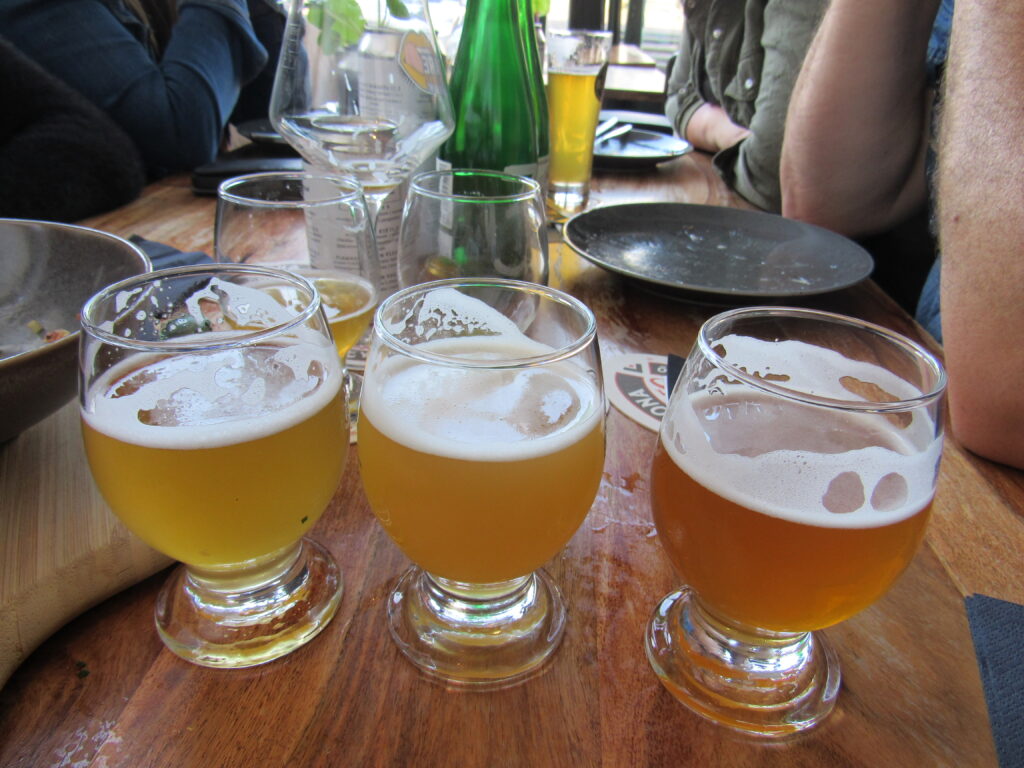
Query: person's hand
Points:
[711, 130]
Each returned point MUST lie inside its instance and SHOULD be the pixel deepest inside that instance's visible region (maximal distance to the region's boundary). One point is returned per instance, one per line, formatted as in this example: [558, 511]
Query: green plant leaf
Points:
[340, 22]
[541, 7]
[397, 9]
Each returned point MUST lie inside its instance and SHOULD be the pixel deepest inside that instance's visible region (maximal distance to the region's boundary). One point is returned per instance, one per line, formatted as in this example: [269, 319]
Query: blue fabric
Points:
[929, 312]
[174, 108]
[929, 309]
[997, 628]
[938, 43]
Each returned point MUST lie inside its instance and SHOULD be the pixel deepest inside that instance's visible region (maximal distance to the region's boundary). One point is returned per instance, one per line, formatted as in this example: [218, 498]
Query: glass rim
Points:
[189, 343]
[910, 347]
[574, 32]
[583, 340]
[530, 188]
[350, 189]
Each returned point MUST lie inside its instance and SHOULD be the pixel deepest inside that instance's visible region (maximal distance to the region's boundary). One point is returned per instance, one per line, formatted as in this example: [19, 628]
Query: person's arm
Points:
[853, 157]
[174, 109]
[710, 129]
[751, 167]
[981, 228]
[61, 157]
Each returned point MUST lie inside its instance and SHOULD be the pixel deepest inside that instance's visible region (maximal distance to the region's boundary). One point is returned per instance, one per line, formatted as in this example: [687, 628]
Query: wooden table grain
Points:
[911, 693]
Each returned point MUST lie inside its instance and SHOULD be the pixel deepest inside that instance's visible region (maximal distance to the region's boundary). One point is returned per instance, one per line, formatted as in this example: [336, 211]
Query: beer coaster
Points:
[637, 386]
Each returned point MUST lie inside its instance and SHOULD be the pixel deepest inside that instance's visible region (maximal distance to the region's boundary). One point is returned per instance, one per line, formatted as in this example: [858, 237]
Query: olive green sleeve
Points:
[751, 167]
[683, 91]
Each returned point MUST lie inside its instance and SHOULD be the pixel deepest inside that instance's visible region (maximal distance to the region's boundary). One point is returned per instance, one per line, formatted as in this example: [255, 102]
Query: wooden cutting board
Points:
[62, 548]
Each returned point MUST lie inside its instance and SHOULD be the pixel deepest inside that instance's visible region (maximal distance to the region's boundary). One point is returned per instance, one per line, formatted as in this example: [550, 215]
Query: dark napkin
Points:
[164, 256]
[997, 628]
[675, 367]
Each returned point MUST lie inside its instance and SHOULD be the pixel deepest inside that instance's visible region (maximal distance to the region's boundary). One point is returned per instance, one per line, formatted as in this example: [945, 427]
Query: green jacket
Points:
[743, 55]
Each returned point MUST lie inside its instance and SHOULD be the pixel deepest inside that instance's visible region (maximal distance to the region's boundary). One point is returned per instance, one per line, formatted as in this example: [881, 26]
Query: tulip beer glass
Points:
[213, 415]
[481, 444]
[791, 486]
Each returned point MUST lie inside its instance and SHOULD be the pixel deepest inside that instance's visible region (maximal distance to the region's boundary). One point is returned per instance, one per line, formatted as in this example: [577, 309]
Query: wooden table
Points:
[911, 689]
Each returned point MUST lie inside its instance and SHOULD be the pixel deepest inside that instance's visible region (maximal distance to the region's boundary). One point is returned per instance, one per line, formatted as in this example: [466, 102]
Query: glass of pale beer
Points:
[481, 445]
[577, 63]
[214, 420]
[314, 224]
[791, 486]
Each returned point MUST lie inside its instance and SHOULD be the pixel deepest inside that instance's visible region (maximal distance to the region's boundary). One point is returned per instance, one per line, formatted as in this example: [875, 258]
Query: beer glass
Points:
[213, 416]
[577, 62]
[313, 224]
[481, 445]
[467, 223]
[791, 486]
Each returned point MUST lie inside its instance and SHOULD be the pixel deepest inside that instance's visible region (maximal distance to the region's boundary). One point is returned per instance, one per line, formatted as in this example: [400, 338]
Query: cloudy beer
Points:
[219, 458]
[786, 516]
[575, 103]
[481, 475]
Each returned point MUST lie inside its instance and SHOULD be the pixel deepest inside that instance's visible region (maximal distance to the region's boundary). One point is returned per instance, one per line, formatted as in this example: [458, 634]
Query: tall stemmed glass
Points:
[791, 486]
[213, 415]
[481, 446]
[360, 89]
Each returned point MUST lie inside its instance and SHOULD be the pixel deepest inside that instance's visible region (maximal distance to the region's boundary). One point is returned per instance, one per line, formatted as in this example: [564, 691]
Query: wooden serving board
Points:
[62, 548]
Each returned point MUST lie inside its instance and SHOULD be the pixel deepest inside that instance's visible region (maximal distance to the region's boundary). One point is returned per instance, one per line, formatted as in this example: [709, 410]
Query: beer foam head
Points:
[482, 414]
[206, 400]
[445, 312]
[804, 463]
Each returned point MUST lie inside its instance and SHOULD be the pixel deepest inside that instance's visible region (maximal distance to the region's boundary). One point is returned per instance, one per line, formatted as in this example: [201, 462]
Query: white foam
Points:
[482, 414]
[219, 398]
[816, 466]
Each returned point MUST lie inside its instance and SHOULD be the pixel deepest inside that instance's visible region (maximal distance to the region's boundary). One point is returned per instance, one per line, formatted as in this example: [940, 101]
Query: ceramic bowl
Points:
[47, 272]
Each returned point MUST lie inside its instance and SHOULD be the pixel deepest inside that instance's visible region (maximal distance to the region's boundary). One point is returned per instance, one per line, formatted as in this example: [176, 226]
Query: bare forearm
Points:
[982, 228]
[711, 130]
[857, 126]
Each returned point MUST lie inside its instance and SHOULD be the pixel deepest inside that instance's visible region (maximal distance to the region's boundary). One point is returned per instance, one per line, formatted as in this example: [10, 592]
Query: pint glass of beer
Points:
[481, 445]
[791, 486]
[214, 420]
[577, 64]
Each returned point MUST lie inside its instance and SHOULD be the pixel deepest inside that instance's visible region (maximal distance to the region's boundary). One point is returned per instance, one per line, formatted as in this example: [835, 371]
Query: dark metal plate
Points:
[723, 254]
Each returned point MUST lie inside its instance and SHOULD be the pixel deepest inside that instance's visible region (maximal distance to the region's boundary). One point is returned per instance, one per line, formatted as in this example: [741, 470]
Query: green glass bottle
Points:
[492, 92]
[539, 93]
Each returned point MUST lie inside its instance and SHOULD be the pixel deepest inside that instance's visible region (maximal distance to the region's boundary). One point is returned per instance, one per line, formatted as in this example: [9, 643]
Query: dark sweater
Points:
[61, 158]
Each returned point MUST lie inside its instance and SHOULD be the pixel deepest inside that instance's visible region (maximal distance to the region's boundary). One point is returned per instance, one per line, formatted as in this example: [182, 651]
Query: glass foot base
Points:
[246, 626]
[479, 636]
[566, 199]
[763, 684]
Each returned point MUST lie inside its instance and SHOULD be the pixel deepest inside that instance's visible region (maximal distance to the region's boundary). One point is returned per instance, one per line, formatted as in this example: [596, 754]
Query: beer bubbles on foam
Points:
[809, 464]
[478, 413]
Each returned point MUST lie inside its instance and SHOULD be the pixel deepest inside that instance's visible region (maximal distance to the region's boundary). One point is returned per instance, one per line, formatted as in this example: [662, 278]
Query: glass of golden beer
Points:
[214, 420]
[481, 445]
[577, 62]
[316, 225]
[467, 223]
[791, 486]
